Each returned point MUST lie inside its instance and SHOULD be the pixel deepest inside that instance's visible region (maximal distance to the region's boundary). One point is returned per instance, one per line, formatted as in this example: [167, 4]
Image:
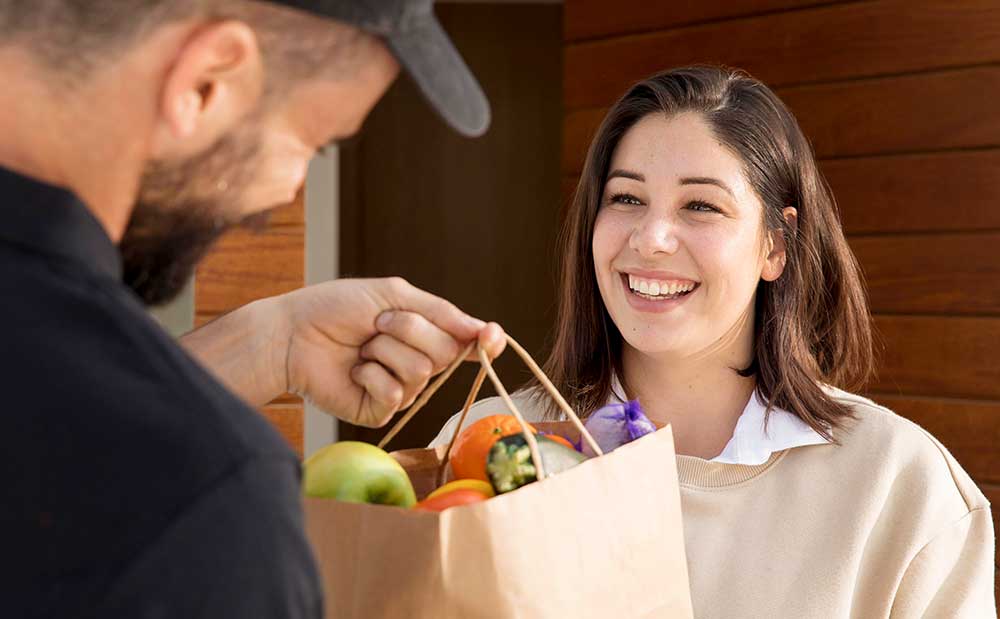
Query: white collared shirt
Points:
[751, 444]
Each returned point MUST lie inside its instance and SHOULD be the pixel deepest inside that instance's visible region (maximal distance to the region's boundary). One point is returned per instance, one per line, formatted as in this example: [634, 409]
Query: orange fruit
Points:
[468, 458]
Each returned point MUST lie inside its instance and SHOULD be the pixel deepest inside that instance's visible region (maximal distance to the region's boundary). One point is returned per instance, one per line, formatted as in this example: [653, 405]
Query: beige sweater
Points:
[887, 524]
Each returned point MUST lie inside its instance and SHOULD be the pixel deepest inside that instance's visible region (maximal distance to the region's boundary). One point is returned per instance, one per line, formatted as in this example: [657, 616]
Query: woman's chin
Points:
[655, 347]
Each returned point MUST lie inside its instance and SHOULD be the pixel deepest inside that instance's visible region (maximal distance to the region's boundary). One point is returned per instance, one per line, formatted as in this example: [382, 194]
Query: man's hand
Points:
[359, 349]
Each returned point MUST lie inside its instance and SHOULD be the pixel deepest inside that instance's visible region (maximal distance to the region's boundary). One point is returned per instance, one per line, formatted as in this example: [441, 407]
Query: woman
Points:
[705, 273]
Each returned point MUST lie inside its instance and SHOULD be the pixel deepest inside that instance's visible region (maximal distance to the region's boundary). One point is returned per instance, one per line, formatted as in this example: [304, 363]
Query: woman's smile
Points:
[655, 292]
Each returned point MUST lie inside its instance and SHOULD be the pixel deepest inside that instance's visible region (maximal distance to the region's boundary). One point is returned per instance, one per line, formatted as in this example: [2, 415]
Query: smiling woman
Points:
[744, 200]
[705, 274]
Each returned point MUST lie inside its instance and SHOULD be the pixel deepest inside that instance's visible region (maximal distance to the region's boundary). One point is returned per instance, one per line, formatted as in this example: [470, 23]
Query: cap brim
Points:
[429, 56]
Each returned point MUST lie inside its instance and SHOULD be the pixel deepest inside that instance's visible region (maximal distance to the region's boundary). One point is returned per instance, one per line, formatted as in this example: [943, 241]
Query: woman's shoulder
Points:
[529, 402]
[903, 450]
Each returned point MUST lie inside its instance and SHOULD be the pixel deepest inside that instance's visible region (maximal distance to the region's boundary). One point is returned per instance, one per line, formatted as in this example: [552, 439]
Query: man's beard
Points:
[182, 209]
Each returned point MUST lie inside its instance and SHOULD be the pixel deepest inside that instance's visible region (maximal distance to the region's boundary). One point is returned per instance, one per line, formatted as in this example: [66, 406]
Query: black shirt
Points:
[132, 483]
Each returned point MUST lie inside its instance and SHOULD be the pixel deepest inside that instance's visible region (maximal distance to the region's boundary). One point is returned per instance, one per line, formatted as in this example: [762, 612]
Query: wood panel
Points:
[247, 265]
[945, 192]
[970, 429]
[869, 117]
[826, 43]
[900, 114]
[293, 214]
[939, 356]
[932, 274]
[590, 19]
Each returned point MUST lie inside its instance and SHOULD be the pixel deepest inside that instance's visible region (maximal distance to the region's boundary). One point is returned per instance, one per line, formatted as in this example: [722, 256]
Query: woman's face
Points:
[679, 245]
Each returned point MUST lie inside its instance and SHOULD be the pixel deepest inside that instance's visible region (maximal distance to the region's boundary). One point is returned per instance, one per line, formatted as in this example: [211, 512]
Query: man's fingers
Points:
[410, 366]
[401, 295]
[493, 339]
[420, 334]
[385, 393]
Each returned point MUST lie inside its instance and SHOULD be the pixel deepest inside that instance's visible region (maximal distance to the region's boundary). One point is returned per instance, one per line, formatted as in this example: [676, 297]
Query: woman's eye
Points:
[625, 198]
[702, 207]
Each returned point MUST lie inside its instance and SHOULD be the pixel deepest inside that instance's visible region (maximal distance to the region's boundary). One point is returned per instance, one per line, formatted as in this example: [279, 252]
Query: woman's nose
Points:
[654, 234]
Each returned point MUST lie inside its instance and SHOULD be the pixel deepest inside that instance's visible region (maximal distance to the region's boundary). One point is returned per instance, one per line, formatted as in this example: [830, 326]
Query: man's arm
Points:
[244, 350]
[360, 349]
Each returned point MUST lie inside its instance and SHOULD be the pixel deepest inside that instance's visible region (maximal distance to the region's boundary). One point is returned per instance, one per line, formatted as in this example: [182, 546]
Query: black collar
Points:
[53, 221]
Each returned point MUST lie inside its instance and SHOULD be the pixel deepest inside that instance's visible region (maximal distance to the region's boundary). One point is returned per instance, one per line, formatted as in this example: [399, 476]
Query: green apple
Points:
[358, 473]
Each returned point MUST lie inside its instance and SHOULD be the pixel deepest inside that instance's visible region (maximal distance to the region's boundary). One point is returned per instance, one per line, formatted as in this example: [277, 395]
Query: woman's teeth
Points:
[659, 289]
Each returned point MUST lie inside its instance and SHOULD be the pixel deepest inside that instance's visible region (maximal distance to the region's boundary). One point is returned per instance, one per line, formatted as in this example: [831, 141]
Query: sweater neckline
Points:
[694, 472]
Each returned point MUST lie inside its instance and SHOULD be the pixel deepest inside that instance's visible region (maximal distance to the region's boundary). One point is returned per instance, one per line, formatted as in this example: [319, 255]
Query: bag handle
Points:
[486, 369]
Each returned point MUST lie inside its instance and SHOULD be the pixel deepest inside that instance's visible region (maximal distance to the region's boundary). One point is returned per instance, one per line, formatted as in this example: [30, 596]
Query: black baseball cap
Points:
[416, 38]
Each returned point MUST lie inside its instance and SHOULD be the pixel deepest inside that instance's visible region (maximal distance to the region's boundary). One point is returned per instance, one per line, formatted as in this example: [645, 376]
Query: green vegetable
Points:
[509, 464]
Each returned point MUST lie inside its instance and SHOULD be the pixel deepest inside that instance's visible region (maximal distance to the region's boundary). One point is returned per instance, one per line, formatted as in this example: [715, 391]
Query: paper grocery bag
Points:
[603, 539]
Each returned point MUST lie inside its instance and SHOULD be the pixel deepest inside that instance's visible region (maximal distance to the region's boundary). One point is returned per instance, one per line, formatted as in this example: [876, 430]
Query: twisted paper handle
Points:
[487, 370]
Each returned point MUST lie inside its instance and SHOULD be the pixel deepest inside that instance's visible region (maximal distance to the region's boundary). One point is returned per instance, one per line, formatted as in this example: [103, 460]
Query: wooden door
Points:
[471, 220]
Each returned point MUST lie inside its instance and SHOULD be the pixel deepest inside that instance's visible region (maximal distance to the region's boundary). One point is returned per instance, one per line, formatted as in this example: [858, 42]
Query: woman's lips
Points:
[645, 293]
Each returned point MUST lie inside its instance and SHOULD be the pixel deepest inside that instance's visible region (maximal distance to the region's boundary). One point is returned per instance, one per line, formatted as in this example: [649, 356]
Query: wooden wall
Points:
[899, 98]
[248, 265]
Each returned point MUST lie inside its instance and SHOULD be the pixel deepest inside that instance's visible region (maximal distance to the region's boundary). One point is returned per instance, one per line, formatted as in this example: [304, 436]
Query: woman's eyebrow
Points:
[619, 173]
[707, 180]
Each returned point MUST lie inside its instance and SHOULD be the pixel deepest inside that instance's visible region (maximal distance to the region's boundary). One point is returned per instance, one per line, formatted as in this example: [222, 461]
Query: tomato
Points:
[467, 484]
[462, 496]
[468, 459]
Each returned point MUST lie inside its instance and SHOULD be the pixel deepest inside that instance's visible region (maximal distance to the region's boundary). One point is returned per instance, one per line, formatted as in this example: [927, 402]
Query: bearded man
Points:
[138, 481]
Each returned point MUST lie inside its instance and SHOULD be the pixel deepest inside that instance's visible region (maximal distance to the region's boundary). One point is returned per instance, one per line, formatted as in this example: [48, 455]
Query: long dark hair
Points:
[812, 325]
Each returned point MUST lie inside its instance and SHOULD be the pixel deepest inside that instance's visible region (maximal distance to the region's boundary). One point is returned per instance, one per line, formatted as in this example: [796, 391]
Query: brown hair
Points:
[812, 325]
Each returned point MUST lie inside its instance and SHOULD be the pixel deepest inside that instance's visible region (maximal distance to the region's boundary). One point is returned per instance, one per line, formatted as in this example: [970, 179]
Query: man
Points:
[133, 134]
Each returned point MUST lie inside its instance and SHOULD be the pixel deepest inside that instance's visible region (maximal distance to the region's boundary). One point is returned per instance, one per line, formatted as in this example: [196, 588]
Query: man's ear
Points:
[774, 262]
[215, 80]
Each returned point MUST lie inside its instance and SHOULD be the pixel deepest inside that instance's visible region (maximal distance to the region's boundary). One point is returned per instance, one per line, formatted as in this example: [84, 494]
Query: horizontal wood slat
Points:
[871, 117]
[928, 111]
[955, 191]
[939, 356]
[970, 429]
[246, 266]
[811, 45]
[590, 19]
[932, 274]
